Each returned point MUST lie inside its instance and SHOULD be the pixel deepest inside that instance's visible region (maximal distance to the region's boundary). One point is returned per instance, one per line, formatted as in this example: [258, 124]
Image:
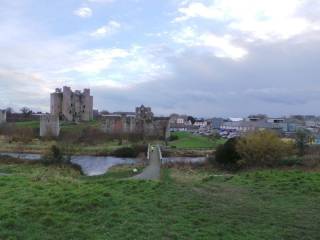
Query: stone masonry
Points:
[3, 116]
[142, 122]
[49, 126]
[72, 106]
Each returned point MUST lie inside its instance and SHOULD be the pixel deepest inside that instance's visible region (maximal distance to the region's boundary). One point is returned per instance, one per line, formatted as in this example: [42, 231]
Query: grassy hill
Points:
[188, 140]
[39, 202]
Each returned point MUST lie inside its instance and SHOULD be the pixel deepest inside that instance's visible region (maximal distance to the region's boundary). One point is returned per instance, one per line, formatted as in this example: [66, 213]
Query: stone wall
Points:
[49, 126]
[143, 123]
[3, 116]
[119, 124]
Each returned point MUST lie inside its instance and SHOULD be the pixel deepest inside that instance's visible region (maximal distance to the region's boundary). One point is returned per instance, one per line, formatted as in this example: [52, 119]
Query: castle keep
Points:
[141, 122]
[72, 106]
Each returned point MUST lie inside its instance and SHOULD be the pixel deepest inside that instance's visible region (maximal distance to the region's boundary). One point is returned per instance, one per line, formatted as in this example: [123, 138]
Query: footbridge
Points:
[152, 171]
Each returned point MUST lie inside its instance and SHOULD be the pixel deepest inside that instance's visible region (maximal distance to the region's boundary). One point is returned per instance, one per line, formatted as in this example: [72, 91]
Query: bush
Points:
[55, 155]
[124, 152]
[226, 154]
[16, 134]
[262, 148]
[302, 139]
[173, 137]
[291, 161]
[130, 152]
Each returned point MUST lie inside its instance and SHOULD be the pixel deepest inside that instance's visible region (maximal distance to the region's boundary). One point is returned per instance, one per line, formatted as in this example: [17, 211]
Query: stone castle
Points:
[49, 126]
[72, 106]
[3, 116]
[142, 122]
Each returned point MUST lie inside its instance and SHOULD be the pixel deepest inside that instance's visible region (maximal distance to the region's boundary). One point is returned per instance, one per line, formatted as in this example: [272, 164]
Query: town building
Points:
[72, 106]
[200, 123]
[246, 126]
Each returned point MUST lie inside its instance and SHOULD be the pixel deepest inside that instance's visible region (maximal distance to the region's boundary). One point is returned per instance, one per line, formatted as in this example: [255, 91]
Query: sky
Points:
[204, 58]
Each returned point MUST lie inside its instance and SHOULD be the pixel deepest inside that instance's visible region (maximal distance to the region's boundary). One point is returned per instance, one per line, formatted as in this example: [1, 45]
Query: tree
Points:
[302, 138]
[192, 119]
[9, 110]
[227, 154]
[26, 111]
[262, 148]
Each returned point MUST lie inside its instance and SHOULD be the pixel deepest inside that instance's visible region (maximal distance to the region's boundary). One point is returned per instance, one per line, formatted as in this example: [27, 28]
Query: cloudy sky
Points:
[200, 57]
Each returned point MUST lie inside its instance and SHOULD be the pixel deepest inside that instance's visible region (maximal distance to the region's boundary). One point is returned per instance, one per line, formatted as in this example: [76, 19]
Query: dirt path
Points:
[151, 172]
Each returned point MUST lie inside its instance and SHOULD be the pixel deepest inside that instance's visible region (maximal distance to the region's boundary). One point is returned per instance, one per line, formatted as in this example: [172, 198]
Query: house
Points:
[200, 123]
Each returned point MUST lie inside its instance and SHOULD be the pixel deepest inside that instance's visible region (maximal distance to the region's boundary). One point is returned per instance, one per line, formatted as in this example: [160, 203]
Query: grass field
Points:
[189, 141]
[39, 202]
[28, 124]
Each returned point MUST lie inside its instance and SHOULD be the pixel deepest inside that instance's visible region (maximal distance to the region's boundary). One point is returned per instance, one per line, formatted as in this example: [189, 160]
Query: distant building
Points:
[179, 119]
[216, 123]
[200, 123]
[72, 106]
[3, 116]
[246, 126]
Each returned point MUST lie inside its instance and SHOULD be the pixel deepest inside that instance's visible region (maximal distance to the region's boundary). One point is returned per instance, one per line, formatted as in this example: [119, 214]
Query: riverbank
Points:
[58, 203]
[37, 146]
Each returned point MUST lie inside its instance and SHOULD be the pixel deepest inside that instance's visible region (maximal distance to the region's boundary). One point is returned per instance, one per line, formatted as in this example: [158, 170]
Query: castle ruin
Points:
[49, 126]
[142, 122]
[72, 106]
[3, 116]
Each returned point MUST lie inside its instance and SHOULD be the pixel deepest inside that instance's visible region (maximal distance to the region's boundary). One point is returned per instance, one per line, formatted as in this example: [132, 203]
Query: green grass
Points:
[28, 124]
[39, 202]
[189, 141]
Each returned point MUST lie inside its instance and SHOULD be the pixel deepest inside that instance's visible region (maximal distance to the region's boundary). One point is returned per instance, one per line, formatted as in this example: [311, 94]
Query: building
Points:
[246, 126]
[200, 123]
[3, 116]
[72, 106]
[142, 122]
[216, 123]
[49, 126]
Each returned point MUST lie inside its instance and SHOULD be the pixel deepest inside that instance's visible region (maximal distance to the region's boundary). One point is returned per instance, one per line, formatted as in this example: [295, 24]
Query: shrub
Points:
[130, 152]
[125, 152]
[173, 137]
[302, 138]
[226, 154]
[291, 161]
[92, 135]
[262, 148]
[16, 134]
[55, 155]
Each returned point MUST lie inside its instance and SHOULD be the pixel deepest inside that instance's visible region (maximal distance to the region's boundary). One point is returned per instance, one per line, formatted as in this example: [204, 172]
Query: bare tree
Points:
[26, 111]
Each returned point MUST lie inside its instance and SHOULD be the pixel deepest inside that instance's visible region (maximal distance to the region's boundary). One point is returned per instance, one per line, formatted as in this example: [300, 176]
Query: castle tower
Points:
[72, 106]
[49, 126]
[3, 116]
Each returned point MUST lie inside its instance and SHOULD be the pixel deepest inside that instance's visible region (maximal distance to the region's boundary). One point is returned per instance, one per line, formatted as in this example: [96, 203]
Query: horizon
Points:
[201, 58]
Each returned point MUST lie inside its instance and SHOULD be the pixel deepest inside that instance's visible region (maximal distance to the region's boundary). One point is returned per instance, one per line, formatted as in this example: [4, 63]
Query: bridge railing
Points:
[160, 153]
[148, 152]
